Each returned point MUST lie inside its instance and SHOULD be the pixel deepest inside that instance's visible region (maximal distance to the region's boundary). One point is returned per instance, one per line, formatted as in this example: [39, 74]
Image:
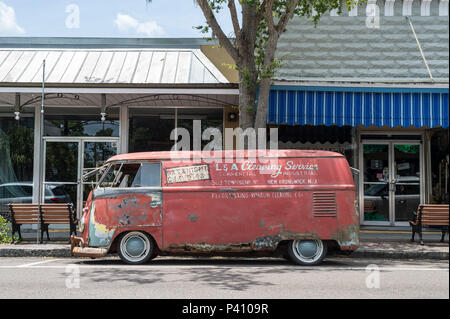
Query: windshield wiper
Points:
[97, 170]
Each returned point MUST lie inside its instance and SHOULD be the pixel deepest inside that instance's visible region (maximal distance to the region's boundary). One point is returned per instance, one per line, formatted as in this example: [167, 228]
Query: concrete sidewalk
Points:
[369, 248]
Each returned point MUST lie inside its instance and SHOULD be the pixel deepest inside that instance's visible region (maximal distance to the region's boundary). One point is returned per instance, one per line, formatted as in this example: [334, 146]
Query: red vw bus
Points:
[165, 203]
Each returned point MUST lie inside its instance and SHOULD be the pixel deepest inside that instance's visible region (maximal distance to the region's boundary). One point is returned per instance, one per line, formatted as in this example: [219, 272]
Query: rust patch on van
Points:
[208, 248]
[271, 242]
[347, 235]
[268, 243]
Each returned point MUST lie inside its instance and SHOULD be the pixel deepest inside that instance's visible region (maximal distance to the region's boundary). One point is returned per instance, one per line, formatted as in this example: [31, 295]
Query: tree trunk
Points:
[263, 104]
[247, 100]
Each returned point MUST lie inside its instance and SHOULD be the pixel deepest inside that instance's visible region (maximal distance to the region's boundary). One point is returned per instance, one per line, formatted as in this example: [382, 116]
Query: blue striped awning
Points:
[354, 107]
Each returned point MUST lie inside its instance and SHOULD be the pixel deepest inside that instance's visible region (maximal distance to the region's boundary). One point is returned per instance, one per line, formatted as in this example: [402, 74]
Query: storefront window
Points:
[150, 133]
[326, 138]
[439, 167]
[207, 119]
[150, 129]
[16, 160]
[55, 126]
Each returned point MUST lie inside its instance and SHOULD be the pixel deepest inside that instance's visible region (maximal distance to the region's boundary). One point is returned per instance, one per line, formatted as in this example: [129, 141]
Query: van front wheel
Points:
[135, 248]
[307, 252]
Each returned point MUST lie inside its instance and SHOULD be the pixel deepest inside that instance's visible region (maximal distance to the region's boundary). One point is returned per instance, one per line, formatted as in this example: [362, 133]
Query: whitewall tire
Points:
[135, 248]
[307, 252]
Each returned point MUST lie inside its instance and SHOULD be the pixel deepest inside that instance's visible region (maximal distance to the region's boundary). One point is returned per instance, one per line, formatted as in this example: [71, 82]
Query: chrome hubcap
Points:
[308, 251]
[135, 246]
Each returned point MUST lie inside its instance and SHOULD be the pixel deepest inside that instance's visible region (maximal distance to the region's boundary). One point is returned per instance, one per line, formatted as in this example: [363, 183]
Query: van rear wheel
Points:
[135, 248]
[307, 252]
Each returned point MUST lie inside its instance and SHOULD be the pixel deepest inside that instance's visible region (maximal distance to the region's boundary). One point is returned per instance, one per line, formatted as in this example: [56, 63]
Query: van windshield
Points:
[124, 175]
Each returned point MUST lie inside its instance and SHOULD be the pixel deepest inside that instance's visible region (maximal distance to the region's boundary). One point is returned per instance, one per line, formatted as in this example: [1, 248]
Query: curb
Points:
[360, 253]
[35, 252]
[405, 254]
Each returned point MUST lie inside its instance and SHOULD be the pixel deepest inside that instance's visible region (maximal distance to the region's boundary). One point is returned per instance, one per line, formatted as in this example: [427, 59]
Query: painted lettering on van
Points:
[272, 169]
[187, 174]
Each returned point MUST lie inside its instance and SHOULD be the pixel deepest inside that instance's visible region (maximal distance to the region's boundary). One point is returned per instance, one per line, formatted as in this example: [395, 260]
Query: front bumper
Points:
[78, 249]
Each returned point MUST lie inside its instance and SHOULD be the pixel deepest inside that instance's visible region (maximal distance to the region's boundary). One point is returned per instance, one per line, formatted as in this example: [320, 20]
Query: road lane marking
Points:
[169, 267]
[36, 263]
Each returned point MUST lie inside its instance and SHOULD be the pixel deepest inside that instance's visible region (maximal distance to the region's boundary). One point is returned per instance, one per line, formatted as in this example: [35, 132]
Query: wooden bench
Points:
[430, 215]
[44, 215]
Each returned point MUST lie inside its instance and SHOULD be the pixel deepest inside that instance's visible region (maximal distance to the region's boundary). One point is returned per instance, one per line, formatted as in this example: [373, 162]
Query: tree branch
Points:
[212, 22]
[234, 19]
[269, 18]
[261, 11]
[286, 16]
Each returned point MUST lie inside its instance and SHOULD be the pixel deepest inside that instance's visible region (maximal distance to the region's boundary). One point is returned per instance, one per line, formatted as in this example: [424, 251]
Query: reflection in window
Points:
[88, 127]
[150, 134]
[15, 191]
[16, 149]
[439, 167]
[133, 175]
[150, 129]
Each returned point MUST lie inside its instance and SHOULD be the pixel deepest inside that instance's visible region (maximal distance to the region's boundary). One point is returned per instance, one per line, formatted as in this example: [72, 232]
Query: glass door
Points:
[391, 181]
[67, 160]
[61, 171]
[375, 174]
[95, 153]
[406, 180]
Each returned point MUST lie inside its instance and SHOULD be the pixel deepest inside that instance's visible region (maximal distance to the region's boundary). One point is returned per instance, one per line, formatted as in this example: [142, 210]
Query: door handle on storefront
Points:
[392, 185]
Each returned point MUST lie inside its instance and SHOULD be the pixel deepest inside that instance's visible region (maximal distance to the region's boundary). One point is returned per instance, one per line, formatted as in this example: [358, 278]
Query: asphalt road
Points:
[191, 278]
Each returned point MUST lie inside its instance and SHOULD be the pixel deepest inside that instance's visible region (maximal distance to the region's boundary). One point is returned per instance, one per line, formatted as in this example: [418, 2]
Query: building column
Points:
[124, 128]
[37, 152]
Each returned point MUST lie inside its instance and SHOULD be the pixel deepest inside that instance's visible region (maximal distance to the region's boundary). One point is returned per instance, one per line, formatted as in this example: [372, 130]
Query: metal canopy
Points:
[20, 66]
[82, 100]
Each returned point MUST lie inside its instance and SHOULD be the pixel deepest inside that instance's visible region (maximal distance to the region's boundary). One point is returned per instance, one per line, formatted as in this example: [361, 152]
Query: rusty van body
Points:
[158, 203]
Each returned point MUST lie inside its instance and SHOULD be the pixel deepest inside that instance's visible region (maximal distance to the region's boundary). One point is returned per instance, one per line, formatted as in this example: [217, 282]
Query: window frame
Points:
[130, 162]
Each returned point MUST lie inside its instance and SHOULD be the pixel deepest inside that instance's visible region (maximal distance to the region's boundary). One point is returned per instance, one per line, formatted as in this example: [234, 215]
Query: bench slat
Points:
[22, 204]
[58, 222]
[28, 221]
[434, 205]
[435, 212]
[25, 210]
[434, 215]
[438, 212]
[66, 213]
[27, 213]
[55, 218]
[36, 205]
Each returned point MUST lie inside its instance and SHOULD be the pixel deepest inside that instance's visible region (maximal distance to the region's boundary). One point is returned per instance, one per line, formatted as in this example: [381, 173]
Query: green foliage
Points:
[266, 68]
[4, 230]
[270, 24]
